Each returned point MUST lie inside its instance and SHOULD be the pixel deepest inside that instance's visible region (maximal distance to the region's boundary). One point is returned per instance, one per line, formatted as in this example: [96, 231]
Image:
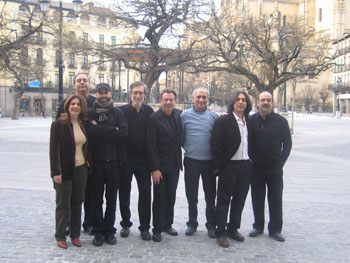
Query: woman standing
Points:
[69, 163]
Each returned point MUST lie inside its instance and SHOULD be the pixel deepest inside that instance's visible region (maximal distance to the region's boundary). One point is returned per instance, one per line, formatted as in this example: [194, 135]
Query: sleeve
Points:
[217, 146]
[286, 142]
[151, 145]
[55, 145]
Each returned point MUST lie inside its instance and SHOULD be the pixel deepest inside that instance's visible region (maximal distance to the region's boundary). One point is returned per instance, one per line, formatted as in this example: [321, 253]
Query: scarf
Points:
[102, 108]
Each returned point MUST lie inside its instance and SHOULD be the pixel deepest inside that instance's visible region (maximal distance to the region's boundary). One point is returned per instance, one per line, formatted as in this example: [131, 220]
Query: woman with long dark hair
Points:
[69, 160]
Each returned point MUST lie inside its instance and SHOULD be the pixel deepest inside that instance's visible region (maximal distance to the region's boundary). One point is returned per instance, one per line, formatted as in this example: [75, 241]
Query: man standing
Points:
[271, 145]
[107, 128]
[82, 87]
[164, 153]
[197, 124]
[137, 115]
[230, 147]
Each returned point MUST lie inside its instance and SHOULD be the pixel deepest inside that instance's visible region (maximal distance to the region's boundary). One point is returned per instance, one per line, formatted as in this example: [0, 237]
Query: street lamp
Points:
[339, 82]
[44, 6]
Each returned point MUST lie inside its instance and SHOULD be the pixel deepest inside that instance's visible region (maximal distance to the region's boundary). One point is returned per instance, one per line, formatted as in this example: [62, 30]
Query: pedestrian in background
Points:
[69, 161]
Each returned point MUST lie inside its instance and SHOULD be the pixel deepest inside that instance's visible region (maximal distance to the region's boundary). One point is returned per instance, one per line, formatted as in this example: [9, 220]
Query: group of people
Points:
[96, 148]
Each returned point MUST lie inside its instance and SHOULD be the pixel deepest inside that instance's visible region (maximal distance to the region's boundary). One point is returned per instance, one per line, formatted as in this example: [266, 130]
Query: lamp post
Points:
[44, 6]
[339, 82]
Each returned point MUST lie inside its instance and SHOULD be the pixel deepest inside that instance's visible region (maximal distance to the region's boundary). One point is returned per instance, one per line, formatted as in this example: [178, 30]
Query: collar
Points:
[238, 118]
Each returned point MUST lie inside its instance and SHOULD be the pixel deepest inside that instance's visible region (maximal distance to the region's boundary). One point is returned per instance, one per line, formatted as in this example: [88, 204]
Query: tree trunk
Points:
[16, 104]
[293, 106]
[279, 99]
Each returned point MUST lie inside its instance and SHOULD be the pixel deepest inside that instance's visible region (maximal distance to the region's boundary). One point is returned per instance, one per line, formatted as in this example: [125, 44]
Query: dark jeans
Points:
[88, 202]
[106, 179]
[69, 198]
[164, 197]
[193, 170]
[143, 178]
[272, 177]
[233, 187]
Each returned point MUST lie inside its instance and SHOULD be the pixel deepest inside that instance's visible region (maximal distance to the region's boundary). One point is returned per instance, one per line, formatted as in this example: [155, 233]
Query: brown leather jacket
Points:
[62, 149]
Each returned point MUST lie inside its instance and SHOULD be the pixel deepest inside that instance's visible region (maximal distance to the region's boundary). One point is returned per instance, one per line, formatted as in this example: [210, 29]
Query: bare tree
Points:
[160, 26]
[323, 94]
[16, 33]
[266, 53]
[308, 94]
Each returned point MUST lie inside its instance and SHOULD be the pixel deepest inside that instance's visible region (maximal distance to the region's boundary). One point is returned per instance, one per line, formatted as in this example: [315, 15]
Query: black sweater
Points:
[137, 124]
[271, 139]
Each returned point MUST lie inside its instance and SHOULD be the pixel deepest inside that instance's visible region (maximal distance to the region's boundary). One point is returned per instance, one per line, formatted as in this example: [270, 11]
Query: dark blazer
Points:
[62, 149]
[163, 145]
[225, 140]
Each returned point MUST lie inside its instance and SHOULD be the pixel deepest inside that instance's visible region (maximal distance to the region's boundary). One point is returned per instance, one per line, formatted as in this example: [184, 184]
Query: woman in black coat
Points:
[69, 160]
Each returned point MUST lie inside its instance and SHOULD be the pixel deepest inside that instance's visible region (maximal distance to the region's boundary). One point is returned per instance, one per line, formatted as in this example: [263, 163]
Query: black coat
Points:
[107, 137]
[164, 144]
[62, 149]
[225, 140]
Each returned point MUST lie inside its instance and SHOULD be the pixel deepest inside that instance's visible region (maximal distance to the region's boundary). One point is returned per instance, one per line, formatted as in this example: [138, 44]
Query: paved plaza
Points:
[316, 206]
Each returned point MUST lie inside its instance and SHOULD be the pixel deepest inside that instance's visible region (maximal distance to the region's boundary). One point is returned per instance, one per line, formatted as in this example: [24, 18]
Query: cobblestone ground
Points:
[316, 206]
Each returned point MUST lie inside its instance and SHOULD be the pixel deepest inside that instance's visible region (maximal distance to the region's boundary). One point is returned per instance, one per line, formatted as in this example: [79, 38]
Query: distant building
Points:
[91, 24]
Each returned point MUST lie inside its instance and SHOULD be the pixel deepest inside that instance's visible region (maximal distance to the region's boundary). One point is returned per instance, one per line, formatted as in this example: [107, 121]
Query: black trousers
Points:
[272, 177]
[69, 198]
[105, 179]
[88, 202]
[164, 197]
[143, 178]
[193, 170]
[233, 187]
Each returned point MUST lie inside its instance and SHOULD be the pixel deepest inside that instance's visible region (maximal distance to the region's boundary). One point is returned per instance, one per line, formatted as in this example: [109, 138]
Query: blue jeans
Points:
[193, 170]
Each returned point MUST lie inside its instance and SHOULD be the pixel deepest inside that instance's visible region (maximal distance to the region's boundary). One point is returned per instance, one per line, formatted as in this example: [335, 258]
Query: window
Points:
[39, 38]
[101, 78]
[284, 20]
[24, 55]
[113, 41]
[320, 15]
[24, 105]
[84, 19]
[85, 62]
[71, 80]
[102, 40]
[101, 63]
[39, 57]
[71, 60]
[85, 37]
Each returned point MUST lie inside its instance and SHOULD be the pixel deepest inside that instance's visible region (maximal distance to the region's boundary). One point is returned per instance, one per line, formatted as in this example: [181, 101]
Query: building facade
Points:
[96, 27]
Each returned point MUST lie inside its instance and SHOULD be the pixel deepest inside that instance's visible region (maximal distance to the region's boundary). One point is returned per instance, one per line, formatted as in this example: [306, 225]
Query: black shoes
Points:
[211, 233]
[110, 238]
[222, 241]
[89, 230]
[145, 235]
[235, 235]
[125, 231]
[190, 230]
[98, 240]
[171, 231]
[255, 232]
[278, 237]
[157, 237]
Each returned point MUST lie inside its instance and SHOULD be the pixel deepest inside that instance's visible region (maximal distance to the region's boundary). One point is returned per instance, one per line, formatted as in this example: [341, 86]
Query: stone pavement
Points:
[316, 206]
